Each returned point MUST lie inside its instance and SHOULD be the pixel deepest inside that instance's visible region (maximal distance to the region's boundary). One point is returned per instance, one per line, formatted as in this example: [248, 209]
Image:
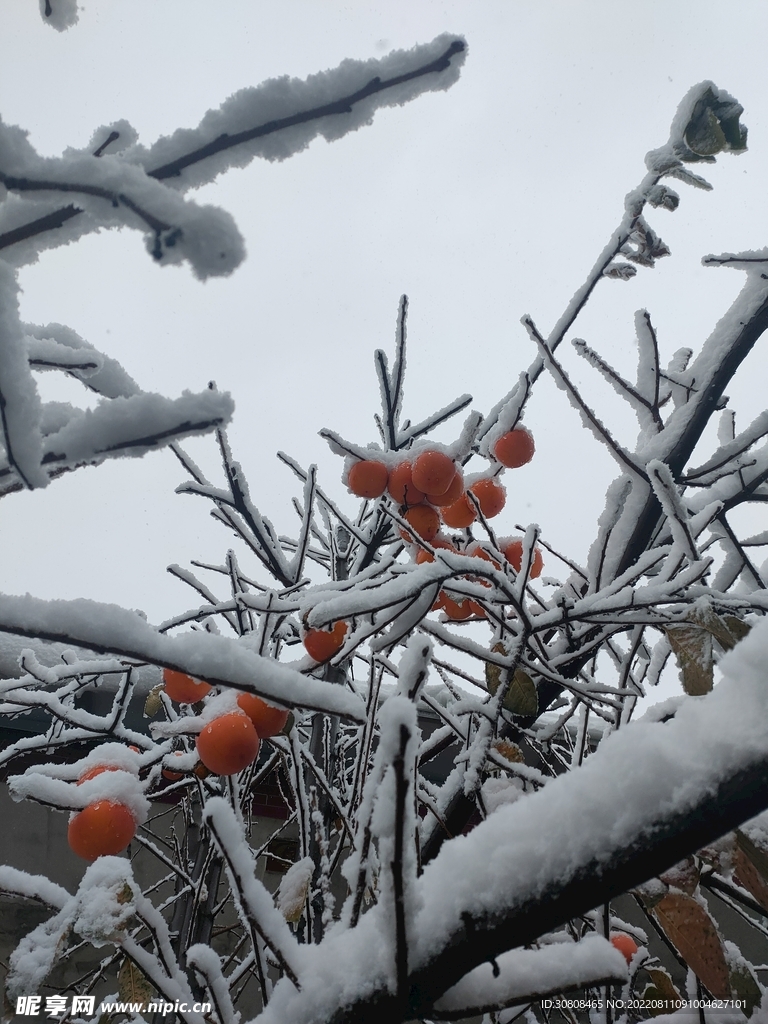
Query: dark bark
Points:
[736, 800]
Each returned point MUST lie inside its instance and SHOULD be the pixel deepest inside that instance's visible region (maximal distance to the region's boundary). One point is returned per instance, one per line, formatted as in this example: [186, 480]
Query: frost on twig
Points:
[140, 187]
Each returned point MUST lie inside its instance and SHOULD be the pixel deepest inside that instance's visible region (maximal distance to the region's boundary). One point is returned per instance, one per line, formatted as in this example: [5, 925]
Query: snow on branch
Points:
[59, 14]
[122, 427]
[33, 887]
[651, 790]
[55, 346]
[106, 628]
[139, 187]
[256, 901]
[20, 405]
[281, 116]
[526, 975]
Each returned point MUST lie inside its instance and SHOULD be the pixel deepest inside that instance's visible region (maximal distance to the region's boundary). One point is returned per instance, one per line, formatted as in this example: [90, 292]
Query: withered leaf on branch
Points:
[692, 646]
[660, 988]
[726, 629]
[648, 246]
[153, 703]
[133, 984]
[683, 876]
[750, 865]
[691, 642]
[620, 271]
[714, 126]
[744, 986]
[692, 932]
[666, 198]
[509, 751]
[521, 697]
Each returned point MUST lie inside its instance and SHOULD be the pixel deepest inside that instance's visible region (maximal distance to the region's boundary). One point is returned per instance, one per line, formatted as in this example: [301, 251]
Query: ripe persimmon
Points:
[515, 448]
[422, 555]
[183, 688]
[368, 479]
[625, 944]
[228, 743]
[267, 720]
[101, 829]
[401, 486]
[490, 495]
[322, 644]
[456, 610]
[97, 769]
[425, 522]
[477, 551]
[433, 472]
[513, 552]
[460, 514]
[453, 493]
[171, 775]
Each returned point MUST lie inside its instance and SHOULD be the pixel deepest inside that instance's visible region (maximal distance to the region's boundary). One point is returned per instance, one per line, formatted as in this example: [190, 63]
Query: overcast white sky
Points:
[483, 203]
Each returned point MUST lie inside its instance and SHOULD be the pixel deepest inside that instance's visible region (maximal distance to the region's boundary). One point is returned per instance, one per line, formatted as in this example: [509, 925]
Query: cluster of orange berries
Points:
[432, 490]
[225, 746]
[511, 548]
[231, 742]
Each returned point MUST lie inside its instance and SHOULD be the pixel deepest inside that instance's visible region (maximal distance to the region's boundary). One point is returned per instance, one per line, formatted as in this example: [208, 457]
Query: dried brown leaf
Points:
[692, 931]
[133, 985]
[153, 703]
[692, 646]
[661, 988]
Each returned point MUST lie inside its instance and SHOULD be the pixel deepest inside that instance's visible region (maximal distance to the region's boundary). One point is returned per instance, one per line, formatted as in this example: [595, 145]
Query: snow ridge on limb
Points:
[705, 123]
[122, 427]
[35, 887]
[526, 975]
[20, 405]
[140, 186]
[59, 14]
[108, 628]
[256, 902]
[617, 821]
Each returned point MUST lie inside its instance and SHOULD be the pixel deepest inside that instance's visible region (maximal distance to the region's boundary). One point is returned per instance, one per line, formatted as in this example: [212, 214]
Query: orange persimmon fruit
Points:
[433, 472]
[228, 744]
[422, 555]
[490, 495]
[477, 551]
[515, 448]
[368, 479]
[171, 775]
[453, 493]
[97, 769]
[267, 720]
[513, 552]
[625, 944]
[401, 486]
[460, 514]
[456, 610]
[100, 829]
[183, 688]
[425, 522]
[322, 644]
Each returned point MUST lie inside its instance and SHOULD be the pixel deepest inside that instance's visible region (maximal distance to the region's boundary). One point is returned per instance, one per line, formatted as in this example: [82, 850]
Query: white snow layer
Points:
[644, 772]
[536, 973]
[140, 187]
[20, 405]
[107, 628]
[59, 14]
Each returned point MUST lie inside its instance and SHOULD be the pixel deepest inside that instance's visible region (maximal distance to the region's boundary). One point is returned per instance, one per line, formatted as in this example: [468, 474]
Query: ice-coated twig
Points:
[207, 963]
[257, 904]
[590, 419]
